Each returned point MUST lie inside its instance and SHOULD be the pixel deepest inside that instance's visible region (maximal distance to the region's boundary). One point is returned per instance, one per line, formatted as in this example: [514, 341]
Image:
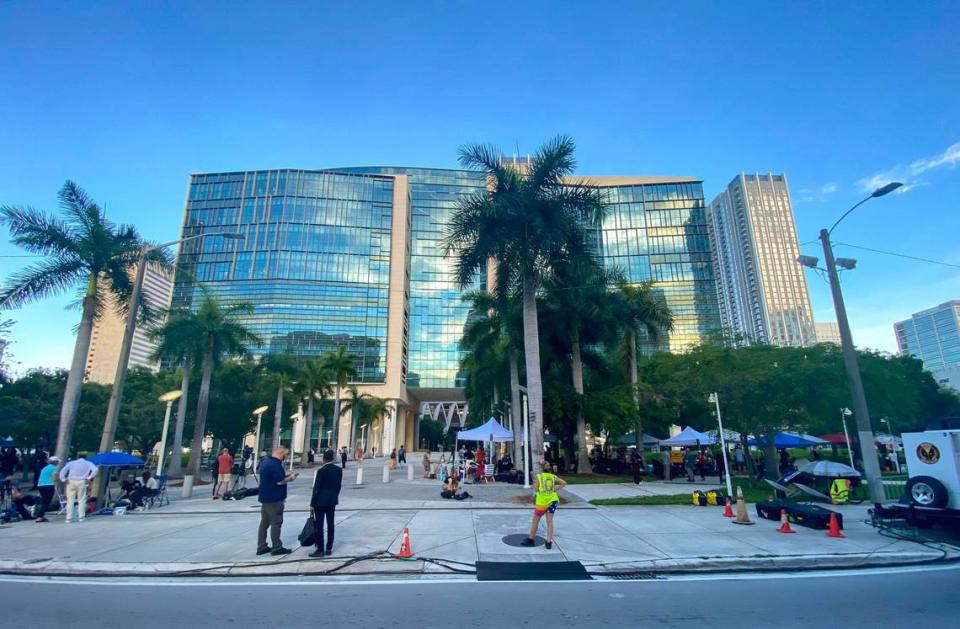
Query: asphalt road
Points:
[884, 598]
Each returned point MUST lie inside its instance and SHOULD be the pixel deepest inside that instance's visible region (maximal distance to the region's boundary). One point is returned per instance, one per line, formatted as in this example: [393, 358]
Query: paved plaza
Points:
[205, 535]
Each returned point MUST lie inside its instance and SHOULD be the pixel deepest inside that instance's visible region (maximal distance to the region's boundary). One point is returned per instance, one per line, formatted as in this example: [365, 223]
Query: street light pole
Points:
[864, 429]
[844, 413]
[715, 398]
[170, 397]
[119, 379]
[259, 411]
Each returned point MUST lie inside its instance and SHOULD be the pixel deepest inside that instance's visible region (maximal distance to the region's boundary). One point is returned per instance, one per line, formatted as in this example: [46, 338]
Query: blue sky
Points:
[129, 98]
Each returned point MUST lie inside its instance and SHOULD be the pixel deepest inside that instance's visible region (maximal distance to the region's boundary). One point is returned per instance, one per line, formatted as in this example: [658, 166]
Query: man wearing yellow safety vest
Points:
[546, 503]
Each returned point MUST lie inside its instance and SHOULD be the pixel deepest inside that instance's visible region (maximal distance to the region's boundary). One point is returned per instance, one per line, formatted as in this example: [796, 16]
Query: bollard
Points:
[359, 475]
[386, 473]
[409, 472]
[187, 490]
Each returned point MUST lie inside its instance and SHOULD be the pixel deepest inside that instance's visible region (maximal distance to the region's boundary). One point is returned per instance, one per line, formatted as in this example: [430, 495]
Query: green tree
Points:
[179, 339]
[142, 411]
[358, 405]
[522, 221]
[640, 308]
[241, 386]
[222, 333]
[341, 368]
[282, 370]
[80, 248]
[314, 380]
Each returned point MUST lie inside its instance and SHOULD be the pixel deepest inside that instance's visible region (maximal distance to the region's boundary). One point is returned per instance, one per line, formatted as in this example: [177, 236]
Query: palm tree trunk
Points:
[277, 419]
[174, 468]
[515, 409]
[74, 386]
[637, 424]
[308, 429]
[203, 400]
[576, 366]
[531, 350]
[336, 418]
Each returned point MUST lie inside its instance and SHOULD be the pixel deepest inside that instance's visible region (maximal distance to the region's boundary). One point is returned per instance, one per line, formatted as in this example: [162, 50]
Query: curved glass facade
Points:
[437, 314]
[658, 232]
[314, 262]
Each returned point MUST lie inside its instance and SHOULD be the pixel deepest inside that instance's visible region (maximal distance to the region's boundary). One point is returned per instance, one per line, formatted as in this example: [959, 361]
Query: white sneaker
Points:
[81, 519]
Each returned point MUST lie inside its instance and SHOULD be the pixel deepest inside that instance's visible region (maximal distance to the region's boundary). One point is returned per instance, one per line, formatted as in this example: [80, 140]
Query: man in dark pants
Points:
[272, 494]
[323, 502]
[343, 456]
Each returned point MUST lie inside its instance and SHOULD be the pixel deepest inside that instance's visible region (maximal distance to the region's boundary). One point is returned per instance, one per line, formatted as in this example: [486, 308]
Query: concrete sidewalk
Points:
[201, 535]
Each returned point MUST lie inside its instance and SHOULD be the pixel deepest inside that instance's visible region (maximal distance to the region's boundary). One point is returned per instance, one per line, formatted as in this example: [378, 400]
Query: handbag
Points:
[308, 535]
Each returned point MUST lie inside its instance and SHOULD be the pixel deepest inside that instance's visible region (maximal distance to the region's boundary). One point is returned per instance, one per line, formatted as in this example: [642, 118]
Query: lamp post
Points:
[844, 414]
[169, 397]
[723, 443]
[526, 438]
[259, 411]
[293, 432]
[864, 429]
[363, 438]
[116, 394]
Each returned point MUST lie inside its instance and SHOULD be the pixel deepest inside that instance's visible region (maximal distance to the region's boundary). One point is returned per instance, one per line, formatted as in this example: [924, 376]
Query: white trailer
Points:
[932, 493]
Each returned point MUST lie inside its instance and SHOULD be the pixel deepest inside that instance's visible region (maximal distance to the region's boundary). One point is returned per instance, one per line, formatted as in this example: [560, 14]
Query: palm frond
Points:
[40, 280]
[38, 233]
[552, 161]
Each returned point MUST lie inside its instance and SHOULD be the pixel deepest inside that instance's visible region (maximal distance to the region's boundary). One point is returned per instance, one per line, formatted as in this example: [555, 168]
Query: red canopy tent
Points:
[837, 438]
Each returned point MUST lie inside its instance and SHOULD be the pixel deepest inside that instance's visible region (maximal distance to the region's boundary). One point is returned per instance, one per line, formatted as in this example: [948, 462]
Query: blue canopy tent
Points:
[789, 440]
[115, 461]
[689, 437]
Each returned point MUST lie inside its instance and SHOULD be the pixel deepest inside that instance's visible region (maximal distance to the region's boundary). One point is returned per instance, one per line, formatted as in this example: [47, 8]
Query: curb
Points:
[386, 567]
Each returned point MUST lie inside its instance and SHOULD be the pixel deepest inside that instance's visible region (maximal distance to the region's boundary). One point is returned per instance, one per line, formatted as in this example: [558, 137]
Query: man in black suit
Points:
[323, 502]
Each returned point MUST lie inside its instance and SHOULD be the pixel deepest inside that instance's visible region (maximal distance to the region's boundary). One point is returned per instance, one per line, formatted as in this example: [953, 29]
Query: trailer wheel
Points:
[926, 491]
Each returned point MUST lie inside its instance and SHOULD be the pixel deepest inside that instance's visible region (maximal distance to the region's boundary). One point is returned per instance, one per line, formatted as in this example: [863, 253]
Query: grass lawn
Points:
[593, 479]
[752, 492]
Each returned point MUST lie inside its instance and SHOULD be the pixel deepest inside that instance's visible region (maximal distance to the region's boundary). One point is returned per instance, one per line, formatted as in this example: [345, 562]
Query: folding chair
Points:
[160, 498]
[61, 500]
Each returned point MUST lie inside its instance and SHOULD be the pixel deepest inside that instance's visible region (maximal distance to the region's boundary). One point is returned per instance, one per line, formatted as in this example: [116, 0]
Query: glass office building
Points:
[354, 257]
[314, 261]
[933, 336]
[437, 314]
[655, 230]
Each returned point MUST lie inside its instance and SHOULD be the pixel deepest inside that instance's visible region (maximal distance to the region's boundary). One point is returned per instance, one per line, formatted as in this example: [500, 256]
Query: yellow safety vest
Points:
[839, 491]
[546, 489]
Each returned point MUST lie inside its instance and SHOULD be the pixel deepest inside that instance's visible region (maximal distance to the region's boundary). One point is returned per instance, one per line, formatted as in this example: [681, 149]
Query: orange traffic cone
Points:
[742, 517]
[405, 552]
[728, 510]
[834, 530]
[784, 523]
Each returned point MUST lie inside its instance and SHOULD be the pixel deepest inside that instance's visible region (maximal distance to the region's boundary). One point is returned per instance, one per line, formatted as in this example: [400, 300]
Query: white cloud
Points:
[808, 195]
[909, 175]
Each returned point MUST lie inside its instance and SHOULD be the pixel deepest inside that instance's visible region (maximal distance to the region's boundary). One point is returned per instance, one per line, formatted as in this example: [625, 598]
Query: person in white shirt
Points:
[77, 475]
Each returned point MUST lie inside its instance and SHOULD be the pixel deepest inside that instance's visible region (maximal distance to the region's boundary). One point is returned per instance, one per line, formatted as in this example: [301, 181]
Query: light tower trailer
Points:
[932, 493]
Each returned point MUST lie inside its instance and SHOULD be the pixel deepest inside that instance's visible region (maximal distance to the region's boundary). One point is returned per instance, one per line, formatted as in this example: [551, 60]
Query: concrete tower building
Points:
[761, 289]
[108, 330]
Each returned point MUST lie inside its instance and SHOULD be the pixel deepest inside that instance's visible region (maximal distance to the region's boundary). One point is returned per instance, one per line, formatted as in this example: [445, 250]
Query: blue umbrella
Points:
[116, 459]
[789, 440]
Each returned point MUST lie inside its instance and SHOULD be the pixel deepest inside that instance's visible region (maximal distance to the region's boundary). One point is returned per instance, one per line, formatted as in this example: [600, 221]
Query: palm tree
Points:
[355, 404]
[222, 333]
[282, 369]
[314, 382]
[579, 300]
[80, 248]
[341, 369]
[638, 307]
[178, 340]
[522, 221]
[491, 338]
[379, 409]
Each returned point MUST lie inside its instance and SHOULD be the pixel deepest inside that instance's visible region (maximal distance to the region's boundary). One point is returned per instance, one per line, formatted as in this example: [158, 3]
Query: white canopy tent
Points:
[491, 431]
[688, 438]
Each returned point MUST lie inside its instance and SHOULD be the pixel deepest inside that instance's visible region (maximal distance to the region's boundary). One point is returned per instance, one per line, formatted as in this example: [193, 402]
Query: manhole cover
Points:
[516, 539]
